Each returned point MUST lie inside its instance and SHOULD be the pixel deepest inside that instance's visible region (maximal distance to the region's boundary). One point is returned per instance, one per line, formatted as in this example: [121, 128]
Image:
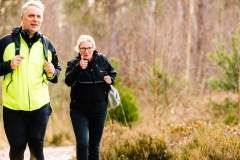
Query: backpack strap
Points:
[16, 39]
[45, 47]
[45, 43]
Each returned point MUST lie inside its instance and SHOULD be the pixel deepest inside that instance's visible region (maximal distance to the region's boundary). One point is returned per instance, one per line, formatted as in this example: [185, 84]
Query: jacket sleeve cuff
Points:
[8, 65]
[53, 76]
[5, 68]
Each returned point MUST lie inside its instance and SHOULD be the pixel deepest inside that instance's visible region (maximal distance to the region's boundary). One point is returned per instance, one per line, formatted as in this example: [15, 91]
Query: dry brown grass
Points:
[212, 142]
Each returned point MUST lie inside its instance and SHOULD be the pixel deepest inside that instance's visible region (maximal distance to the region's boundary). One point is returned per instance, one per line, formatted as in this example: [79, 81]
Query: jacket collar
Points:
[25, 36]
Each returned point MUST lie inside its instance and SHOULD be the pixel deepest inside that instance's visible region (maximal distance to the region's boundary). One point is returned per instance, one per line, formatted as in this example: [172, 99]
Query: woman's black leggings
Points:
[88, 129]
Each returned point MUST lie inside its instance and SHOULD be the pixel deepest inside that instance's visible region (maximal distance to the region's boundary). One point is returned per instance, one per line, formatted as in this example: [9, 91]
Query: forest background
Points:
[163, 50]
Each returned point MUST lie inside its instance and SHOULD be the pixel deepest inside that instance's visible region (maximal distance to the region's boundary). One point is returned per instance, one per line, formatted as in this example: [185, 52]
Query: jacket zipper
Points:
[29, 102]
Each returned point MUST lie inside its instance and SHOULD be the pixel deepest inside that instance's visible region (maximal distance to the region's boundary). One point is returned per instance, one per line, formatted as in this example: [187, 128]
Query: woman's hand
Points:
[83, 63]
[107, 79]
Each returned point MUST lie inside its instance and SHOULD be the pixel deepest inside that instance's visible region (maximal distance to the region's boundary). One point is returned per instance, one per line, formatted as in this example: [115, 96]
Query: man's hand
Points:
[49, 69]
[16, 61]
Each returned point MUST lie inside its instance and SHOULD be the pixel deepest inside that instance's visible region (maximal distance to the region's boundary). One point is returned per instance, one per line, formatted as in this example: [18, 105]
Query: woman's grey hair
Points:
[85, 38]
[35, 3]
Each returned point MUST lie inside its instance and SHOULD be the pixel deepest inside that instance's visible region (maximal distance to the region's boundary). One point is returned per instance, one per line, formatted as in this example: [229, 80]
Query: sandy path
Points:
[51, 153]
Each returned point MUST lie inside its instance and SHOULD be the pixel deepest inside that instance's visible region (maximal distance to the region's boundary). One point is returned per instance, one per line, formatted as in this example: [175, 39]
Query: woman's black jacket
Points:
[88, 86]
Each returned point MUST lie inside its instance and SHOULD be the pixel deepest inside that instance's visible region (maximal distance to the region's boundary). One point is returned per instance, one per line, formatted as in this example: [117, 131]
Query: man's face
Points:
[31, 19]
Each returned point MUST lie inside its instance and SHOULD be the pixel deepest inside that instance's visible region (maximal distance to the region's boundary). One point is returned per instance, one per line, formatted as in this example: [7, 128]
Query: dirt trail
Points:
[51, 153]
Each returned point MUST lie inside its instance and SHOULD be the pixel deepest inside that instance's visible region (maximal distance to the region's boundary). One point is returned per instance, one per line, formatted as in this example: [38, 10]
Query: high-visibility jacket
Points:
[26, 88]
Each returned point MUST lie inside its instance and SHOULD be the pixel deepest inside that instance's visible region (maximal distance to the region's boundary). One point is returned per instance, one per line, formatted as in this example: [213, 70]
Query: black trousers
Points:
[26, 127]
[88, 129]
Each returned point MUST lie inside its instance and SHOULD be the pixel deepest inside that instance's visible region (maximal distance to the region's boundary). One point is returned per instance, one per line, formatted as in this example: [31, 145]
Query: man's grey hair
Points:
[85, 38]
[35, 3]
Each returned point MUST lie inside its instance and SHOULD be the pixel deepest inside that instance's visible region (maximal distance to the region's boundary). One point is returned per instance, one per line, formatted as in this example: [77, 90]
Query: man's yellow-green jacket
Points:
[26, 88]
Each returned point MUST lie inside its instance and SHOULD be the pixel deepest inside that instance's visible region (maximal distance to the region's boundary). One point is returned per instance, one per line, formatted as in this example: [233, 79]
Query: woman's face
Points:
[86, 51]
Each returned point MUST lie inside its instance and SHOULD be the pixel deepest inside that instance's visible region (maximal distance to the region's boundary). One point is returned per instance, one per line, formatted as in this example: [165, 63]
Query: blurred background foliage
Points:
[178, 73]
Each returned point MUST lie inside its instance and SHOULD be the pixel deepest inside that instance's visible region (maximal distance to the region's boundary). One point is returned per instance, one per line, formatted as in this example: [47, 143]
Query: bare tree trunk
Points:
[189, 48]
[1, 15]
[200, 41]
[111, 8]
[154, 24]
